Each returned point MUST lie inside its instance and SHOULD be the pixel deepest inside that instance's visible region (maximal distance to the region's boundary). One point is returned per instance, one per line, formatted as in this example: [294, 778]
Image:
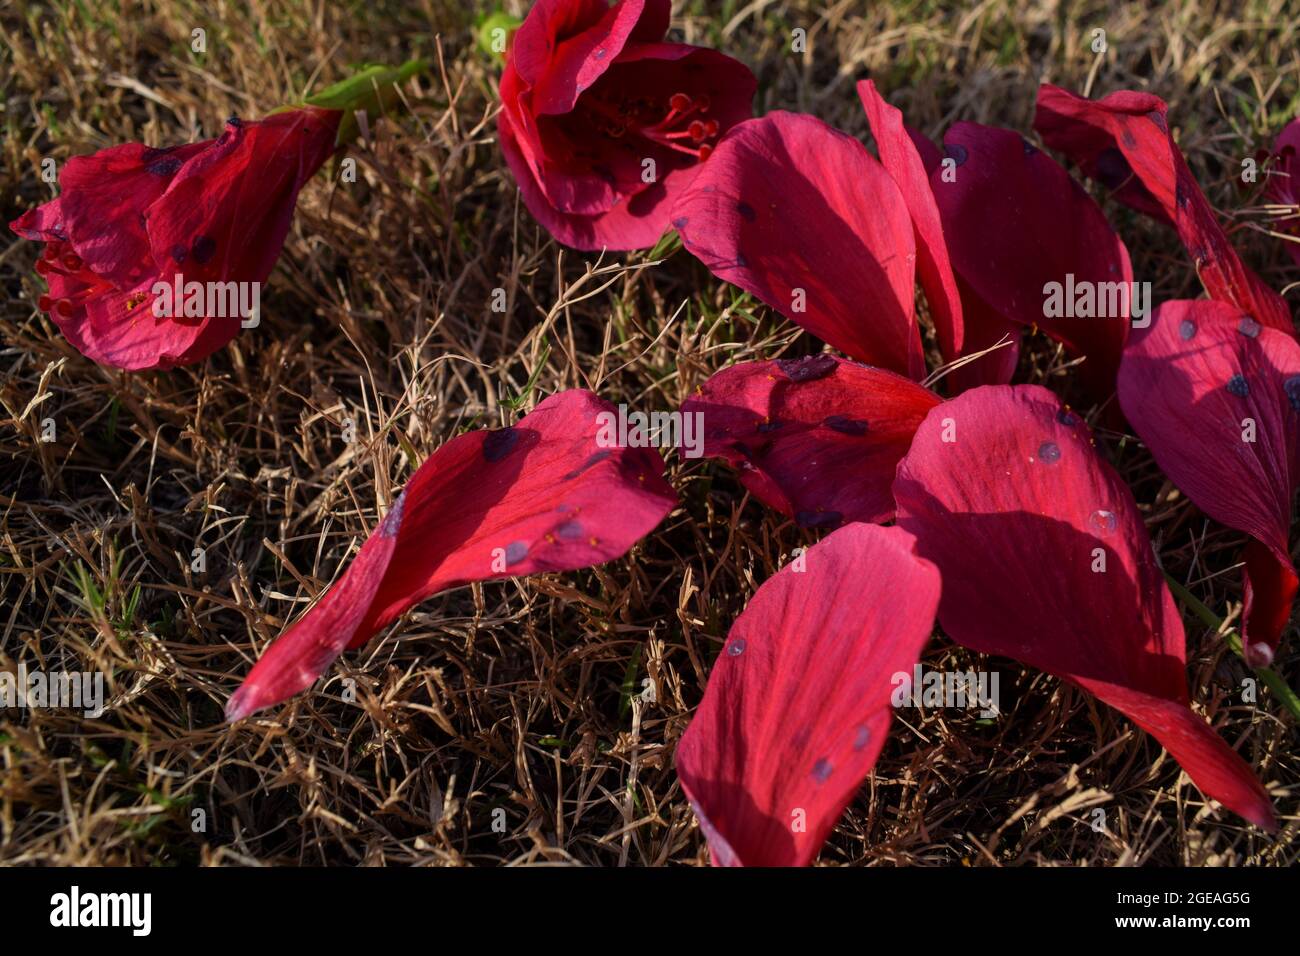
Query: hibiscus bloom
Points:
[603, 123]
[131, 218]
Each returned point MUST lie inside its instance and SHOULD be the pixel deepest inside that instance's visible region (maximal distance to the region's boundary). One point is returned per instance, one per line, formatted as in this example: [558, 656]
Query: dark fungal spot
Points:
[1067, 417]
[1112, 168]
[203, 249]
[500, 443]
[1028, 147]
[569, 531]
[1158, 118]
[846, 426]
[1186, 330]
[765, 427]
[234, 121]
[1248, 327]
[746, 211]
[179, 253]
[818, 519]
[167, 166]
[681, 222]
[1237, 385]
[1181, 195]
[516, 551]
[1049, 452]
[1292, 388]
[956, 152]
[808, 368]
[152, 153]
[591, 462]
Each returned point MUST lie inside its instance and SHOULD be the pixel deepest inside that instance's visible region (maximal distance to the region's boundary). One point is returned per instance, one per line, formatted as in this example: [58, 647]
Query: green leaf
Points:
[371, 91]
[492, 43]
[628, 689]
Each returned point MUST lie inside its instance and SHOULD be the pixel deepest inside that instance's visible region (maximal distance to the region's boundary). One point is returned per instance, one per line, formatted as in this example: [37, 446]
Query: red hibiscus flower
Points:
[603, 123]
[130, 219]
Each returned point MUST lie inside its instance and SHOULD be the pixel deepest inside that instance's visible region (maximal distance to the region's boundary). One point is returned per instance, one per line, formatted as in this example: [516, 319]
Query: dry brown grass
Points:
[510, 695]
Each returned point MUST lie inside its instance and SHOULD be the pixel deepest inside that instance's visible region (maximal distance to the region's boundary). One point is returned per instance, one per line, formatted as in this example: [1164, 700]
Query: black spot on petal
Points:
[1158, 118]
[569, 531]
[1112, 168]
[818, 519]
[500, 443]
[681, 222]
[179, 253]
[1067, 417]
[1292, 388]
[1028, 147]
[516, 551]
[846, 426]
[1237, 385]
[746, 211]
[1248, 327]
[203, 249]
[164, 167]
[808, 368]
[765, 427]
[591, 462]
[956, 152]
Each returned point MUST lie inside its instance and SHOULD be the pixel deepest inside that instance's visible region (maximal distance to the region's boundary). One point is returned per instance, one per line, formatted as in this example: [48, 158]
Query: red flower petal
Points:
[563, 46]
[798, 703]
[788, 204]
[902, 160]
[538, 496]
[1124, 140]
[1284, 186]
[1196, 384]
[103, 197]
[1002, 214]
[816, 438]
[1045, 559]
[227, 211]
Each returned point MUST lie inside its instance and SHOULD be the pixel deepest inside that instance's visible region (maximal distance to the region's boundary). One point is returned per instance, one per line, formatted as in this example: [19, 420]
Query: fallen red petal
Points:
[816, 438]
[803, 217]
[798, 702]
[1003, 210]
[1045, 559]
[541, 495]
[1124, 140]
[1216, 397]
